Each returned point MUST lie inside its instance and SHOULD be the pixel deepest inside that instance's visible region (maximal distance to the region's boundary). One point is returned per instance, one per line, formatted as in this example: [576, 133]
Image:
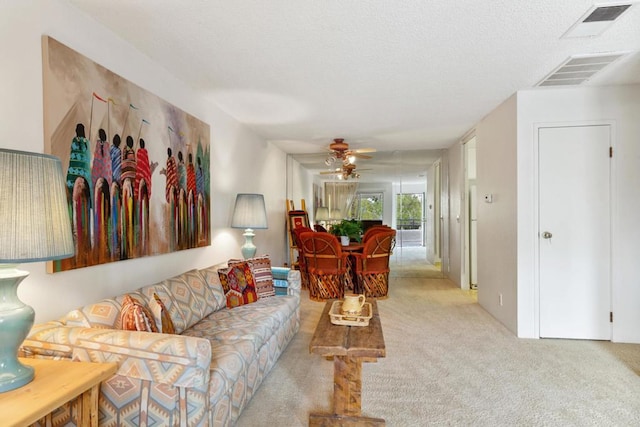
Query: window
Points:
[409, 211]
[367, 206]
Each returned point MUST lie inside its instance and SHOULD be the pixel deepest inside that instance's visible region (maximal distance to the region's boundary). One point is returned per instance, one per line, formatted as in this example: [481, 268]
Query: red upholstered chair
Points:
[304, 275]
[326, 265]
[373, 230]
[372, 265]
[319, 228]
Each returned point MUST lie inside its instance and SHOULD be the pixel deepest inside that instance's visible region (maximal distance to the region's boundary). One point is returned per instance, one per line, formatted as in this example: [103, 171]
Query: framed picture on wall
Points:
[137, 167]
[297, 219]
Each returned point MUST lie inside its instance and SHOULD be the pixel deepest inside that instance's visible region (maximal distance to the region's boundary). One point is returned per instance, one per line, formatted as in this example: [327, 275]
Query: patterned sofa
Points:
[204, 375]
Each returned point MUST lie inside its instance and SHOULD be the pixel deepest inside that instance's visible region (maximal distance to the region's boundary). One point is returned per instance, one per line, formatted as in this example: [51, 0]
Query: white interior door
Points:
[574, 232]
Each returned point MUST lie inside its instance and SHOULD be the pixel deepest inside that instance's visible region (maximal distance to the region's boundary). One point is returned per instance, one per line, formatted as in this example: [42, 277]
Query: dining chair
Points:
[302, 264]
[326, 265]
[373, 230]
[372, 264]
[319, 227]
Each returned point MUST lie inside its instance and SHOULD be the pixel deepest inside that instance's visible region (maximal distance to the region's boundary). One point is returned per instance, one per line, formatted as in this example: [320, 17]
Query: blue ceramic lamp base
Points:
[16, 320]
[248, 249]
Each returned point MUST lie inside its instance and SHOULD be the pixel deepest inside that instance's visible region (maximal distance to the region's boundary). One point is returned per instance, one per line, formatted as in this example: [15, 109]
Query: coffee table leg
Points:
[347, 385]
[347, 392]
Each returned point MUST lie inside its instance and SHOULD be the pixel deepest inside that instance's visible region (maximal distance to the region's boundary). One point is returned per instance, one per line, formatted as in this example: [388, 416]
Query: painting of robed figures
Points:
[137, 167]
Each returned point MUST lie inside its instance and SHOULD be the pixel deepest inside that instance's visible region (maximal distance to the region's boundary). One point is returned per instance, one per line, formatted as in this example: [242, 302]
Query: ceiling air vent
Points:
[578, 69]
[606, 13]
[597, 19]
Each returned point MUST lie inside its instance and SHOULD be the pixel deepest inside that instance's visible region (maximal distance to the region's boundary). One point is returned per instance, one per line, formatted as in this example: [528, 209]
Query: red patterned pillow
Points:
[238, 284]
[162, 315]
[136, 317]
[262, 276]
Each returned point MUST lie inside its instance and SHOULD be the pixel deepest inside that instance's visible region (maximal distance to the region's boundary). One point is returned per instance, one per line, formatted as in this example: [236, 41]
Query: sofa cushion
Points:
[187, 300]
[202, 292]
[256, 322]
[104, 314]
[136, 317]
[238, 284]
[161, 315]
[175, 312]
[212, 279]
[261, 270]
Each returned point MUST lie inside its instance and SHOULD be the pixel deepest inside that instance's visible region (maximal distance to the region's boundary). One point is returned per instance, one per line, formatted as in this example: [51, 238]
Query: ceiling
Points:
[386, 74]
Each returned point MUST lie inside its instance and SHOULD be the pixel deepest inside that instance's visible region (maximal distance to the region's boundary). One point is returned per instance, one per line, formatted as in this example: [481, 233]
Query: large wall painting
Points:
[137, 167]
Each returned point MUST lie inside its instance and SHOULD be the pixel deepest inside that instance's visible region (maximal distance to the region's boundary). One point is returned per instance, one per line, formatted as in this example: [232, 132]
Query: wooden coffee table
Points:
[349, 346]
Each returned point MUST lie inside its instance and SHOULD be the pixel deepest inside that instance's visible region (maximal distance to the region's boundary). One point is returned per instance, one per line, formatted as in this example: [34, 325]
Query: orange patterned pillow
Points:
[135, 316]
[163, 317]
[262, 276]
[238, 284]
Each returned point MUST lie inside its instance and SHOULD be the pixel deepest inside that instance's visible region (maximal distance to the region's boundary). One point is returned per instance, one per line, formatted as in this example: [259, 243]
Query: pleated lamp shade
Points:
[34, 216]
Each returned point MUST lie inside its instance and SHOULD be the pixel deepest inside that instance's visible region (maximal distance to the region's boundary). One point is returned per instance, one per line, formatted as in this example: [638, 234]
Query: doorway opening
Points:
[470, 277]
[410, 219]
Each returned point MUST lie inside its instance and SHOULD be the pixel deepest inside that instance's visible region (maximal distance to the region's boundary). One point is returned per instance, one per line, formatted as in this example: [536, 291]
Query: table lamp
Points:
[35, 226]
[322, 214]
[249, 213]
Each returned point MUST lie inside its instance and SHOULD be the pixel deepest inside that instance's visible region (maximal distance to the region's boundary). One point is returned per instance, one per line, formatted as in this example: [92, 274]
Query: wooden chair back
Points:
[373, 230]
[323, 253]
[377, 249]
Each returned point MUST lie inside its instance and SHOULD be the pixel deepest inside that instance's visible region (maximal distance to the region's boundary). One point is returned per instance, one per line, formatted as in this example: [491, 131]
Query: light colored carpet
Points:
[449, 363]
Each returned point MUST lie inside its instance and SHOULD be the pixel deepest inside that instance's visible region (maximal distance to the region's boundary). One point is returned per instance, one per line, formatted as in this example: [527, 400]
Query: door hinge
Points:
[611, 317]
[610, 152]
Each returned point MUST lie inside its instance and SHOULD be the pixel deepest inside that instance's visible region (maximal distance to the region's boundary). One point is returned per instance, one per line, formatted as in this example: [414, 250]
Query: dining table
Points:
[352, 280]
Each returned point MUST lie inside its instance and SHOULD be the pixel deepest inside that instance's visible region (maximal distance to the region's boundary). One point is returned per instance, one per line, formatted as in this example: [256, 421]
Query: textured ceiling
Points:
[387, 74]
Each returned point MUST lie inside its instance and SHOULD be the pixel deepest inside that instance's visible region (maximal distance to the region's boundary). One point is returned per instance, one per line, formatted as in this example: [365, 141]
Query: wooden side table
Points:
[56, 382]
[349, 346]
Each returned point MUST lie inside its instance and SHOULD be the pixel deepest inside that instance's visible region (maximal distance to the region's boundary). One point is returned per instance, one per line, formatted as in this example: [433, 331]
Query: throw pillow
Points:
[136, 317]
[238, 284]
[162, 315]
[280, 272]
[261, 270]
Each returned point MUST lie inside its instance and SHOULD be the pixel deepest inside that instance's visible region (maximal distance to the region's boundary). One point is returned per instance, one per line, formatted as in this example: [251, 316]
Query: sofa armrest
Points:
[293, 279]
[177, 360]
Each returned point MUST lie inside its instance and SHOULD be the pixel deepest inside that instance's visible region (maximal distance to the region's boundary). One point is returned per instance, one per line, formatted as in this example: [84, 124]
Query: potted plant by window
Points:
[347, 229]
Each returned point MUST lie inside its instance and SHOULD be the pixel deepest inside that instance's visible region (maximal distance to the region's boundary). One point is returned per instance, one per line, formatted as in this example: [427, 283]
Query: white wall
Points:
[620, 106]
[497, 233]
[22, 23]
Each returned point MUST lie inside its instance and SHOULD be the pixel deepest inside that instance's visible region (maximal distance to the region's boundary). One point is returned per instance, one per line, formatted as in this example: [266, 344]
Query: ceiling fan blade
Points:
[365, 150]
[361, 156]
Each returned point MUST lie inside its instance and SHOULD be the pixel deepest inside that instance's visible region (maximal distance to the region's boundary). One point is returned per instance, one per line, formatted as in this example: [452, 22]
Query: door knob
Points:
[546, 235]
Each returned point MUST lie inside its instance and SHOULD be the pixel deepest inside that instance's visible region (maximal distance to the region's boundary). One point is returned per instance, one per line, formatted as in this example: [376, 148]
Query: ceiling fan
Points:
[345, 172]
[339, 150]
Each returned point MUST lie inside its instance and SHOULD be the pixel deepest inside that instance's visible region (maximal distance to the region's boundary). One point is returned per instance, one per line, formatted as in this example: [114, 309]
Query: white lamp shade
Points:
[322, 213]
[249, 212]
[335, 214]
[34, 215]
